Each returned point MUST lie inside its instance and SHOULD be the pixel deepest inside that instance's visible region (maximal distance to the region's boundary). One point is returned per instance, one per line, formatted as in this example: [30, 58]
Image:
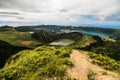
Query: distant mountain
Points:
[56, 28]
[39, 27]
[6, 28]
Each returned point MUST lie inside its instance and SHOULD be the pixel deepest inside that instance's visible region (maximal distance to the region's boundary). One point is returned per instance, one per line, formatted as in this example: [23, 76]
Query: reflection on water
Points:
[62, 42]
[92, 33]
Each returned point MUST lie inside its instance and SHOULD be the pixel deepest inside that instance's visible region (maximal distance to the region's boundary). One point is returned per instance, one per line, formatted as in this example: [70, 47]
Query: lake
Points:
[93, 33]
[62, 42]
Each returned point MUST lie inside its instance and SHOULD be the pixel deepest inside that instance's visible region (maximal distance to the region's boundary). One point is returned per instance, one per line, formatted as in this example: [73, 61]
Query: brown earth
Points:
[22, 33]
[26, 43]
[82, 66]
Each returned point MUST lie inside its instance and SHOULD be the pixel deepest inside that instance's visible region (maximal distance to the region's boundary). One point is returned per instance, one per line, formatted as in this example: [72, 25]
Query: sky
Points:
[60, 12]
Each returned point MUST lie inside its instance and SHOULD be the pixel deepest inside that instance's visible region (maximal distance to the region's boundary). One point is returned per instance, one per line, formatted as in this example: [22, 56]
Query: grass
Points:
[39, 64]
[16, 38]
[84, 41]
[104, 73]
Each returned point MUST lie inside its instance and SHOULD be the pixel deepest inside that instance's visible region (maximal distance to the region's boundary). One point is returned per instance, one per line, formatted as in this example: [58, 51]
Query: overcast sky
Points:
[61, 12]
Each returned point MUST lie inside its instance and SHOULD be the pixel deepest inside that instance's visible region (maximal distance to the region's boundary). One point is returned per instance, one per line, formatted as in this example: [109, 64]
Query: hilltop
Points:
[39, 64]
[55, 63]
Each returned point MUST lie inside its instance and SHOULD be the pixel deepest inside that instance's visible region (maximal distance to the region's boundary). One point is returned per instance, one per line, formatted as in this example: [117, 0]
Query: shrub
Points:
[91, 75]
[104, 73]
[105, 62]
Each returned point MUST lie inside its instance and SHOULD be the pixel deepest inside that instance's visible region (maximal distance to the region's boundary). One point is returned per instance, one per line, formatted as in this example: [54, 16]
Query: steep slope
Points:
[7, 50]
[109, 48]
[84, 70]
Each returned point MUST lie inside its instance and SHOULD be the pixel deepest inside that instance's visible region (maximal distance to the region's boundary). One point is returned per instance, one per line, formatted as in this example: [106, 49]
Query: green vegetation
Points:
[111, 49]
[116, 34]
[39, 64]
[84, 41]
[105, 62]
[18, 38]
[91, 75]
[104, 73]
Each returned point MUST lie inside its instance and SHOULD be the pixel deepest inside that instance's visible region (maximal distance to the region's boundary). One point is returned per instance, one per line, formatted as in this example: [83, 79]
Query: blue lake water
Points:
[93, 33]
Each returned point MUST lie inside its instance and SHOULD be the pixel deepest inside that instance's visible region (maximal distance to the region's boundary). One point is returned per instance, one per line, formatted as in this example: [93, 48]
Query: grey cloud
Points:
[7, 3]
[9, 13]
[24, 5]
[62, 10]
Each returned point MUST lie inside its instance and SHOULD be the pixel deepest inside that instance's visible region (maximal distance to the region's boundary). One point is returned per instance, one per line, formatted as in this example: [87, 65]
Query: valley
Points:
[50, 52]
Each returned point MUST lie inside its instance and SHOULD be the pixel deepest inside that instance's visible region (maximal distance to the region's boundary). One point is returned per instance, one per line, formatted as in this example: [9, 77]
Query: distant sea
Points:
[102, 26]
[113, 27]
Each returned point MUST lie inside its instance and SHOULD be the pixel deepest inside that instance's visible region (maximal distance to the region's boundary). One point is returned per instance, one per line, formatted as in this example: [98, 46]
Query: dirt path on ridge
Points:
[82, 66]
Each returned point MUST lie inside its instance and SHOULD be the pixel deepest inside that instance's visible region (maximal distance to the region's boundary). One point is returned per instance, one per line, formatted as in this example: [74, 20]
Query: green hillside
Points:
[111, 49]
[85, 40]
[18, 38]
[105, 62]
[39, 64]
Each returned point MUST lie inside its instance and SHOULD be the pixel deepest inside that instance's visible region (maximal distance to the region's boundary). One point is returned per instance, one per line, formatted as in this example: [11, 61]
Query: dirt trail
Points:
[82, 66]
